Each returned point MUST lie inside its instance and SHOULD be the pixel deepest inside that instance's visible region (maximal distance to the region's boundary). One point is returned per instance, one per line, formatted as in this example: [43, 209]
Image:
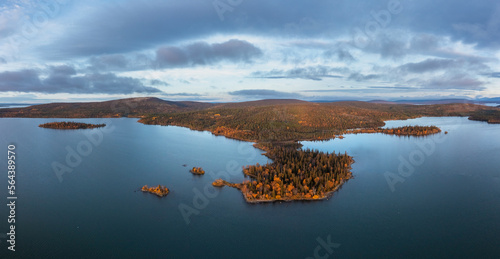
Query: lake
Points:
[411, 197]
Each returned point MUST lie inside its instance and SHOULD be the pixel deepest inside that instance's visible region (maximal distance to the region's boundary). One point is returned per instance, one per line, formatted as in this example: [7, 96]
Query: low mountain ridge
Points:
[130, 107]
[257, 120]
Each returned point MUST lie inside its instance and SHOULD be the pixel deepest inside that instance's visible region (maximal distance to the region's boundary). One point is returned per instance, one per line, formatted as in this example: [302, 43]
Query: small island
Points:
[197, 171]
[222, 183]
[294, 175]
[70, 125]
[401, 131]
[159, 190]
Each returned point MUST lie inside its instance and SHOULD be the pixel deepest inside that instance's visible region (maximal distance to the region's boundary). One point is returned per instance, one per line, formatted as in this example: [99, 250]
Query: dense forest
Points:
[305, 121]
[276, 126]
[490, 116]
[401, 131]
[70, 125]
[257, 120]
[293, 174]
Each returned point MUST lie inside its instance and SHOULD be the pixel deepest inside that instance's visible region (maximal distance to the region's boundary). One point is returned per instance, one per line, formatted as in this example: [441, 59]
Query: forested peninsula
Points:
[293, 175]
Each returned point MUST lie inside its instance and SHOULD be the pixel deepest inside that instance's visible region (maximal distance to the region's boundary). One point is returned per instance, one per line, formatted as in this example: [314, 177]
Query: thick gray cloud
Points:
[451, 44]
[450, 65]
[365, 90]
[358, 77]
[121, 62]
[341, 54]
[62, 70]
[126, 26]
[399, 44]
[344, 55]
[157, 82]
[197, 53]
[493, 75]
[429, 65]
[24, 80]
[171, 56]
[182, 94]
[451, 82]
[202, 53]
[263, 93]
[133, 25]
[109, 62]
[389, 46]
[63, 79]
[316, 73]
[462, 20]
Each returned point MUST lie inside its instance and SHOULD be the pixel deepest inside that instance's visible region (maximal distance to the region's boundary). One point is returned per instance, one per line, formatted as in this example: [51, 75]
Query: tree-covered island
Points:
[293, 174]
[197, 171]
[276, 126]
[70, 125]
[400, 131]
[159, 190]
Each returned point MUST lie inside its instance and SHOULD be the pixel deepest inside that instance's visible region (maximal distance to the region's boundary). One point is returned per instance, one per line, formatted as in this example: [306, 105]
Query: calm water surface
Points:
[442, 198]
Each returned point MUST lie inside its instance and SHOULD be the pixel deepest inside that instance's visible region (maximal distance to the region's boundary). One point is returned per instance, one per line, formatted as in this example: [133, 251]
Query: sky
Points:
[239, 50]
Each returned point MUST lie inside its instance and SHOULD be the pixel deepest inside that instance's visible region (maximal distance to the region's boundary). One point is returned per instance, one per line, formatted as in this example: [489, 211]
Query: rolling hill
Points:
[131, 107]
[264, 120]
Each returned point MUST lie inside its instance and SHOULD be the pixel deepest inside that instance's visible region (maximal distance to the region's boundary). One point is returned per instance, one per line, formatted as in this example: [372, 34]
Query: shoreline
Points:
[70, 125]
[326, 196]
[221, 183]
[339, 134]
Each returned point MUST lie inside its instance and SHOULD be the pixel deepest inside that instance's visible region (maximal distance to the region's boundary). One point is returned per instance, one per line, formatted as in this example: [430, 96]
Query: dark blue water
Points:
[445, 203]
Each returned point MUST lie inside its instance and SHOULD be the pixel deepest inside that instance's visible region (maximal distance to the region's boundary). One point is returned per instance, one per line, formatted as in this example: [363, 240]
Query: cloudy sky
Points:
[235, 50]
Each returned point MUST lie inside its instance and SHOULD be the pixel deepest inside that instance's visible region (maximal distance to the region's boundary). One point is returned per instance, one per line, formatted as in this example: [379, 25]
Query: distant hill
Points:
[131, 107]
[490, 100]
[441, 101]
[305, 120]
[14, 104]
[427, 102]
[264, 120]
[260, 103]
